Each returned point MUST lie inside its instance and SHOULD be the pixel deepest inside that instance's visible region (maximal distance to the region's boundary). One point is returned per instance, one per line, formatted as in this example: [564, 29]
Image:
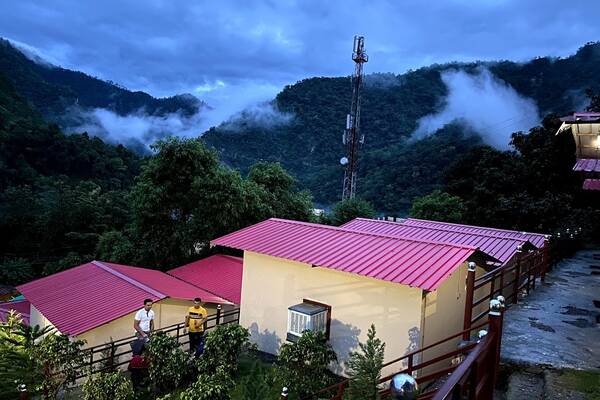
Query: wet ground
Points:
[557, 325]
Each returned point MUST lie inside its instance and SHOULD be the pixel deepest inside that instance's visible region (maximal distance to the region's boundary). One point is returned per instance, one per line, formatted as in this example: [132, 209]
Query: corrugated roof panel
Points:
[219, 274]
[388, 258]
[83, 297]
[587, 165]
[591, 184]
[500, 246]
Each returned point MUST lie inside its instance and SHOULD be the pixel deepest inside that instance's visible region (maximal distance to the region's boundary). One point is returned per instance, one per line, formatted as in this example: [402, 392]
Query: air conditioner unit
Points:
[306, 317]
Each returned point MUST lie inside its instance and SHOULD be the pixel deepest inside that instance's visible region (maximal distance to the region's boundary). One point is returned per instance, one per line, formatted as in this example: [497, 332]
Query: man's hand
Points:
[184, 331]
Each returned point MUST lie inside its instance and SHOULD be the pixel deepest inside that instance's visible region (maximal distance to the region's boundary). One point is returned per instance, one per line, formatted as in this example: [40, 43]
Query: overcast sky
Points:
[247, 50]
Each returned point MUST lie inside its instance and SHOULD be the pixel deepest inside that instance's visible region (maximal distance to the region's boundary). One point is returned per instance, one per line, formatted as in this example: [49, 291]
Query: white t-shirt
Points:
[144, 317]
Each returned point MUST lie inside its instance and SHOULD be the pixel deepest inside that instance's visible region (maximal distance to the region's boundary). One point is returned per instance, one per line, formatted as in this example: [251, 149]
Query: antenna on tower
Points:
[352, 137]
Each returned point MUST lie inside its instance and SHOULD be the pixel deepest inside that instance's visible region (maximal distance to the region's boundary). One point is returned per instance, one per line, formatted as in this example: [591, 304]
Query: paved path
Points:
[557, 324]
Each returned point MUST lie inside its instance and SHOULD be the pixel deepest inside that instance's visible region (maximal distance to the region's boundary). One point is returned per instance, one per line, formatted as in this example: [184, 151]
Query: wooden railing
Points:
[475, 377]
[509, 280]
[113, 354]
[411, 363]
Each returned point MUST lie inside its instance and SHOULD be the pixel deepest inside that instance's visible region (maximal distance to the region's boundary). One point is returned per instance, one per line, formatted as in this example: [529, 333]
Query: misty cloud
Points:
[143, 129]
[484, 104]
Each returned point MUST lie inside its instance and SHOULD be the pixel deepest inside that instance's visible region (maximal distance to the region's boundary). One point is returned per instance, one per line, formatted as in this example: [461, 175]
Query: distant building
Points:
[97, 301]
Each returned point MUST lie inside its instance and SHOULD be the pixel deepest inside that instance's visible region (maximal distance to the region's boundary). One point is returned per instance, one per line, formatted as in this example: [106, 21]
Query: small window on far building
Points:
[308, 316]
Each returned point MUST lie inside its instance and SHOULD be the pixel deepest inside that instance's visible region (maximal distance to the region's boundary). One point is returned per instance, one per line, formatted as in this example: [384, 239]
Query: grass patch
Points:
[586, 382]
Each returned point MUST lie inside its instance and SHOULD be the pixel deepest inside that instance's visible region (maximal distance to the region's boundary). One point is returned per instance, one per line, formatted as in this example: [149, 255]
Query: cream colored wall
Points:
[270, 285]
[37, 318]
[444, 313]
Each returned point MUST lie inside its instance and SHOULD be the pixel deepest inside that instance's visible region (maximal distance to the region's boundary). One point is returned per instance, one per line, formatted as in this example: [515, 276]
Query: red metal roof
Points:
[537, 239]
[499, 247]
[165, 284]
[581, 117]
[591, 184]
[21, 307]
[587, 165]
[417, 263]
[92, 294]
[219, 274]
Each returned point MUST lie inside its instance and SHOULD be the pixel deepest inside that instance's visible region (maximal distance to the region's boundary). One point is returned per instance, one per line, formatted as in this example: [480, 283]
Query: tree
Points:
[15, 271]
[114, 246]
[184, 198]
[61, 359]
[364, 368]
[213, 386]
[169, 364]
[349, 209]
[108, 386]
[439, 206]
[278, 192]
[223, 347]
[302, 366]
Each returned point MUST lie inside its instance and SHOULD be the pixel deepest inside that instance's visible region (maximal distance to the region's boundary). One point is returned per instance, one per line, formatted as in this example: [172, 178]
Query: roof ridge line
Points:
[127, 279]
[340, 229]
[477, 226]
[493, 235]
[200, 287]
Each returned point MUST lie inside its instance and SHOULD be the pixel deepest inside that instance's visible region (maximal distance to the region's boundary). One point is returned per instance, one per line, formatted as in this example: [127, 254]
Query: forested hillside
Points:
[393, 170]
[58, 193]
[52, 89]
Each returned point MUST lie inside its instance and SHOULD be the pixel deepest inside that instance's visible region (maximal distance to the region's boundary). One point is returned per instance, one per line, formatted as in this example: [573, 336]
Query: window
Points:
[308, 316]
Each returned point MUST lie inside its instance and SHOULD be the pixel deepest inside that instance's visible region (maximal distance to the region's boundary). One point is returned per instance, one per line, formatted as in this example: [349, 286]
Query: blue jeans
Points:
[196, 343]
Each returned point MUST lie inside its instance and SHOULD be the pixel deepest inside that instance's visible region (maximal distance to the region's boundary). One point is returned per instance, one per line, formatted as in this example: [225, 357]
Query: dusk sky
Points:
[248, 50]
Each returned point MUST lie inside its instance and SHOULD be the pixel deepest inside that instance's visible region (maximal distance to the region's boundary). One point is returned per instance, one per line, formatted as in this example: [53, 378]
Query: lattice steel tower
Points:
[352, 138]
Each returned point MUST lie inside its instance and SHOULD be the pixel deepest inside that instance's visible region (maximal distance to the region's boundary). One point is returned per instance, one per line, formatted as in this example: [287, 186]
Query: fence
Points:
[412, 363]
[475, 377]
[509, 280]
[108, 356]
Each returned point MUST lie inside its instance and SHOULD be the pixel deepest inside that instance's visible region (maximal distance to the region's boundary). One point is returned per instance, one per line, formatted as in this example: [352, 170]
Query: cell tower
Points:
[352, 138]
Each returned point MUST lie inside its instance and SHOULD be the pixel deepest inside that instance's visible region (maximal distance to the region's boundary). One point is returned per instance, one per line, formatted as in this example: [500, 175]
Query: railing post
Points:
[496, 317]
[218, 314]
[284, 394]
[177, 332]
[23, 393]
[111, 361]
[469, 299]
[546, 259]
[517, 281]
[529, 264]
[91, 358]
[409, 368]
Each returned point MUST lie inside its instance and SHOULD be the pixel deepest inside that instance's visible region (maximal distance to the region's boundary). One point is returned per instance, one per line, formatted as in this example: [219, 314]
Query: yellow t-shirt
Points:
[196, 315]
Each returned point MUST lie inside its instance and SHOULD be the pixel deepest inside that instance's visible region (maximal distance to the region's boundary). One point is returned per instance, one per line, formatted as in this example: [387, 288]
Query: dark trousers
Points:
[196, 343]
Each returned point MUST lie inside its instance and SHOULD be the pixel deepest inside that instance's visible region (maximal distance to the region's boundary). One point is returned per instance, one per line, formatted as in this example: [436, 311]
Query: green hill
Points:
[393, 170]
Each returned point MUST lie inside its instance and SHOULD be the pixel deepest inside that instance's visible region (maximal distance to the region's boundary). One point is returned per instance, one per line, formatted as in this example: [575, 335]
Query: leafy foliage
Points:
[184, 198]
[349, 209]
[15, 270]
[214, 386]
[364, 368]
[302, 366]
[61, 359]
[258, 384]
[439, 206]
[108, 386]
[223, 347]
[169, 364]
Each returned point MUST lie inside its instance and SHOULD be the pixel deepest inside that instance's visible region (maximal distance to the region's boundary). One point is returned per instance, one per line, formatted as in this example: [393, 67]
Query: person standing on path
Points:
[194, 322]
[143, 322]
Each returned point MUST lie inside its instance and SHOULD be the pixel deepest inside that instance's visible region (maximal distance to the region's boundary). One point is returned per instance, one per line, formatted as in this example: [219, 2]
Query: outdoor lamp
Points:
[404, 387]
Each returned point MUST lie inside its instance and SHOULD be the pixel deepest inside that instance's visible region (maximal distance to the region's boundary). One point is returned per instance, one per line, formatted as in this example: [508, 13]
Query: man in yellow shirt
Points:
[194, 322]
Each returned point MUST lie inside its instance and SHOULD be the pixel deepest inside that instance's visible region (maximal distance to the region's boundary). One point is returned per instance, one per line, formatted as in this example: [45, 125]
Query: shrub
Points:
[223, 347]
[169, 364]
[108, 386]
[258, 384]
[210, 386]
[364, 369]
[349, 209]
[302, 366]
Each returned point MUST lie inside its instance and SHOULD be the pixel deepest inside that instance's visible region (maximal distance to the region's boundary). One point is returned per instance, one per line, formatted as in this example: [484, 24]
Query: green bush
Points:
[169, 364]
[439, 206]
[302, 366]
[108, 386]
[349, 209]
[210, 386]
[223, 347]
[364, 369]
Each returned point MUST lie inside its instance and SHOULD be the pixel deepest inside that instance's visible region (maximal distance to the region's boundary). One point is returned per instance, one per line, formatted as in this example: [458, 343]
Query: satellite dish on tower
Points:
[344, 160]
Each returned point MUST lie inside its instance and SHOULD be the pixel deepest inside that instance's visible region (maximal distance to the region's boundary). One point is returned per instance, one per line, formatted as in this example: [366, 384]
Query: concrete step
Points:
[524, 385]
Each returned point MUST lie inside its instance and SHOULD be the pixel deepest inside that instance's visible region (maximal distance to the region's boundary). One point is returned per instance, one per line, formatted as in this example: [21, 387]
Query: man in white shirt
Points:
[143, 322]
